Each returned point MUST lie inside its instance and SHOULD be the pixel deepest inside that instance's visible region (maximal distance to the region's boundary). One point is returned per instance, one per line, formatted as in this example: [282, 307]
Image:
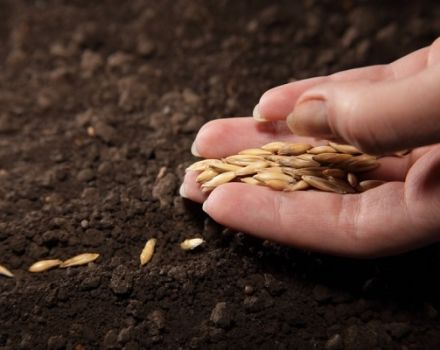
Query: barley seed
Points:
[326, 185]
[218, 180]
[5, 272]
[352, 180]
[44, 265]
[369, 184]
[192, 243]
[255, 152]
[293, 149]
[206, 175]
[148, 251]
[344, 148]
[81, 259]
[321, 149]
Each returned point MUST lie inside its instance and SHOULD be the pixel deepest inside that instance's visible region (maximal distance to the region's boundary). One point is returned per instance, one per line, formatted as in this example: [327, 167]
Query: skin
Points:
[379, 109]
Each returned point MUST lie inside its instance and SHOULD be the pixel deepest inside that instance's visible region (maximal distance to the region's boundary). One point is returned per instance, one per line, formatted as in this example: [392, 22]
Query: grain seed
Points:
[334, 172]
[325, 184]
[222, 166]
[255, 152]
[252, 168]
[250, 181]
[293, 149]
[333, 158]
[295, 162]
[369, 184]
[148, 251]
[321, 149]
[278, 185]
[201, 165]
[264, 176]
[81, 259]
[273, 147]
[5, 272]
[349, 149]
[206, 175]
[190, 244]
[218, 180]
[44, 265]
[242, 160]
[352, 180]
[299, 186]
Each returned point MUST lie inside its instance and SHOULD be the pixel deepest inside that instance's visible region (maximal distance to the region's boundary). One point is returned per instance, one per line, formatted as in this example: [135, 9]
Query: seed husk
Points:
[278, 185]
[264, 176]
[218, 180]
[224, 167]
[361, 163]
[206, 175]
[332, 158]
[250, 181]
[5, 272]
[148, 251]
[201, 165]
[242, 159]
[326, 185]
[298, 186]
[273, 147]
[44, 265]
[295, 162]
[314, 171]
[349, 149]
[255, 152]
[81, 259]
[334, 172]
[321, 149]
[293, 149]
[252, 168]
[368, 185]
[352, 180]
[192, 243]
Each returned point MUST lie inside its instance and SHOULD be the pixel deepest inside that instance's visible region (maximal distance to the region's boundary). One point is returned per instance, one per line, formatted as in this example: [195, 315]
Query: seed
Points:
[361, 163]
[273, 147]
[305, 156]
[5, 272]
[255, 152]
[295, 162]
[369, 184]
[352, 180]
[250, 181]
[314, 171]
[222, 167]
[242, 160]
[299, 186]
[251, 168]
[44, 265]
[326, 185]
[206, 175]
[334, 172]
[333, 158]
[349, 149]
[81, 259]
[148, 251]
[278, 185]
[401, 153]
[218, 180]
[201, 165]
[293, 149]
[264, 176]
[190, 244]
[321, 149]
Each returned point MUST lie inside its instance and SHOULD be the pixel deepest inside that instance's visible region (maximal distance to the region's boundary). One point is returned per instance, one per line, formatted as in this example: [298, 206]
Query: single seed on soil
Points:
[324, 184]
[44, 265]
[293, 149]
[369, 184]
[251, 168]
[255, 152]
[349, 149]
[148, 251]
[81, 259]
[218, 180]
[321, 149]
[5, 272]
[206, 175]
[192, 243]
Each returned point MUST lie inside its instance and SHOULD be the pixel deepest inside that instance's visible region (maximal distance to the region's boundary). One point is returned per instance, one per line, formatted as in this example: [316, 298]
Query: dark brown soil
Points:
[146, 75]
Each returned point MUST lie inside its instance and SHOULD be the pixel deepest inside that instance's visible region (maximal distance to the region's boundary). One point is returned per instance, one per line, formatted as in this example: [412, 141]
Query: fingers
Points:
[370, 224]
[223, 137]
[377, 117]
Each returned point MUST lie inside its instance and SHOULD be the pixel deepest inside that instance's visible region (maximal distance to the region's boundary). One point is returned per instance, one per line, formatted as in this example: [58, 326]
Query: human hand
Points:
[379, 109]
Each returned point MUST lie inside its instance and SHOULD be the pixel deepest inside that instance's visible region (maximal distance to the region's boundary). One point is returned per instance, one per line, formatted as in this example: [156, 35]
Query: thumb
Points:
[377, 117]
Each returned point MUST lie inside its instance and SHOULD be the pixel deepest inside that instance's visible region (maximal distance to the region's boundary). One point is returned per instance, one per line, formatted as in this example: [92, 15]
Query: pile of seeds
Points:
[291, 167]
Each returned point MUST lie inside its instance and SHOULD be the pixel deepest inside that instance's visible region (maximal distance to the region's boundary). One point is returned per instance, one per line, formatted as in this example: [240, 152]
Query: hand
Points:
[379, 109]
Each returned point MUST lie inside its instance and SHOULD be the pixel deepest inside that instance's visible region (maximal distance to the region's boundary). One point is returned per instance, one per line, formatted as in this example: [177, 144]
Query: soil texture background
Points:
[99, 104]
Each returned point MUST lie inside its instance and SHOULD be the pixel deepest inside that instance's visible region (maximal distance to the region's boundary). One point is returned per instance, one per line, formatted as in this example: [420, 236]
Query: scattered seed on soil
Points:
[44, 265]
[192, 243]
[81, 259]
[148, 251]
[5, 272]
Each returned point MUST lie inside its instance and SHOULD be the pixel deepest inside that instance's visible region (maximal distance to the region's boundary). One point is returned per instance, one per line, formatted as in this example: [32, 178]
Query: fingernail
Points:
[182, 191]
[257, 114]
[309, 118]
[205, 206]
[194, 151]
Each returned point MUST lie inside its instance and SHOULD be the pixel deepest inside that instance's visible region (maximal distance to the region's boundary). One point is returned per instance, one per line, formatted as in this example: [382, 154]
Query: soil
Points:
[98, 98]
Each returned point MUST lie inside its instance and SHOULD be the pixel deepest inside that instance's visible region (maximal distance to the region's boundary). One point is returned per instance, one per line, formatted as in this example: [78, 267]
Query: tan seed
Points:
[242, 160]
[148, 251]
[206, 175]
[250, 181]
[369, 184]
[293, 149]
[273, 147]
[5, 272]
[305, 156]
[352, 180]
[334, 172]
[264, 176]
[255, 152]
[332, 158]
[222, 166]
[349, 149]
[251, 168]
[321, 149]
[218, 180]
[278, 185]
[402, 153]
[299, 186]
[325, 184]
[361, 163]
[192, 243]
[295, 162]
[314, 171]
[44, 265]
[201, 165]
[81, 259]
